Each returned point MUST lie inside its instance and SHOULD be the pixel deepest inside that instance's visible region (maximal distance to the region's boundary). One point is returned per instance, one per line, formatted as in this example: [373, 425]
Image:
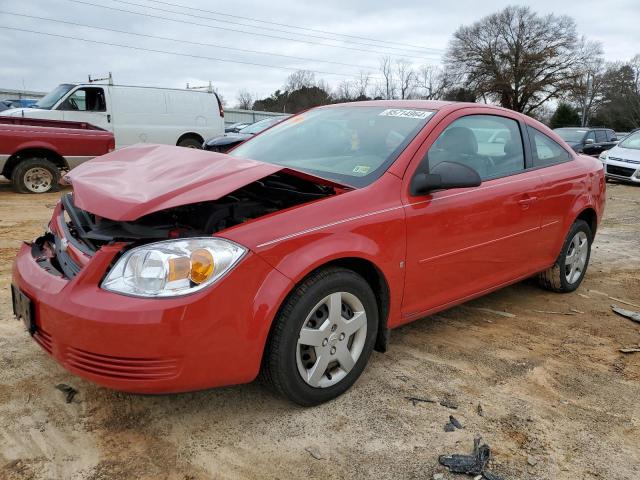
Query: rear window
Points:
[545, 150]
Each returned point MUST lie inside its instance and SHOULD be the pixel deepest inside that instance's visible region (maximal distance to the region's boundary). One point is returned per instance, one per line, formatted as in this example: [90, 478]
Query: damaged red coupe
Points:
[169, 269]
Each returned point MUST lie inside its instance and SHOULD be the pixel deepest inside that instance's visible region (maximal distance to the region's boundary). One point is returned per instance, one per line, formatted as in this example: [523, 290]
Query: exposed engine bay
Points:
[270, 194]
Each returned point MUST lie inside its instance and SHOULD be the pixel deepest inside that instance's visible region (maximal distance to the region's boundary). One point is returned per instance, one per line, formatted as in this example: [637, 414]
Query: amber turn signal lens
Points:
[179, 269]
[201, 265]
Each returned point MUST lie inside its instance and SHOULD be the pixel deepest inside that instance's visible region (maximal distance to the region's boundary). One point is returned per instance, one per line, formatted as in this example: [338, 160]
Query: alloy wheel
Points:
[576, 258]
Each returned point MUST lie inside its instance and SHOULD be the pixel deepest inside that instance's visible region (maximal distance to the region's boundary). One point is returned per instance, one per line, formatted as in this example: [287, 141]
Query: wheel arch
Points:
[31, 152]
[371, 273]
[194, 135]
[590, 216]
[380, 286]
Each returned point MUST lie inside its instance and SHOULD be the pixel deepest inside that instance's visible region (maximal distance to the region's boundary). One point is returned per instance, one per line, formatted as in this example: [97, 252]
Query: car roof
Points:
[421, 104]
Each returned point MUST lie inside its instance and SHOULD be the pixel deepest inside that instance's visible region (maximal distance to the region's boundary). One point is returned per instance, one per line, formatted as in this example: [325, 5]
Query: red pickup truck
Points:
[34, 152]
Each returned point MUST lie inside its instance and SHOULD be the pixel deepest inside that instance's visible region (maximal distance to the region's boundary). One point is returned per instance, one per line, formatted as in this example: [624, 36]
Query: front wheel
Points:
[35, 175]
[567, 273]
[322, 337]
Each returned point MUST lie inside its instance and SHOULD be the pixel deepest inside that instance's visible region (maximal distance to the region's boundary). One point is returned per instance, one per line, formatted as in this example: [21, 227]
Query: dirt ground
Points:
[559, 400]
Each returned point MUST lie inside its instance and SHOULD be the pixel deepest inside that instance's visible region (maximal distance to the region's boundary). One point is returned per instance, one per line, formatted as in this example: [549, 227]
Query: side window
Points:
[610, 135]
[85, 100]
[545, 150]
[590, 136]
[490, 144]
[600, 136]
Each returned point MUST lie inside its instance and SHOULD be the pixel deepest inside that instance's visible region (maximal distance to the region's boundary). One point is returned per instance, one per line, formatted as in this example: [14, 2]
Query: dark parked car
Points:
[236, 127]
[590, 141]
[225, 142]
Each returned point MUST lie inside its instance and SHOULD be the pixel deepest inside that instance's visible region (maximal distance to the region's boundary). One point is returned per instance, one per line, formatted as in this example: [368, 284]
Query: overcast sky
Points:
[418, 30]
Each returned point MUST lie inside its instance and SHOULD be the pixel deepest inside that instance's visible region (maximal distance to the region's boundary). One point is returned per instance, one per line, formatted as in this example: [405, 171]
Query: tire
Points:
[190, 142]
[287, 359]
[35, 175]
[565, 276]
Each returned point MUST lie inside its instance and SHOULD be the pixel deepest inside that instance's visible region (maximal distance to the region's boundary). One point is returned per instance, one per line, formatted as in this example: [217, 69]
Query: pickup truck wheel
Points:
[322, 337]
[567, 273]
[35, 175]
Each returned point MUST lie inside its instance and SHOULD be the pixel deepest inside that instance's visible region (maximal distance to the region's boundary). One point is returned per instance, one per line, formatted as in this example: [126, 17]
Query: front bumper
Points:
[212, 338]
[622, 170]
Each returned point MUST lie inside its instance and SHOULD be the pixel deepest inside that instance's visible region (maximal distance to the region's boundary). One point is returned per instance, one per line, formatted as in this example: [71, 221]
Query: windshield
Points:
[631, 141]
[573, 135]
[261, 125]
[349, 144]
[51, 98]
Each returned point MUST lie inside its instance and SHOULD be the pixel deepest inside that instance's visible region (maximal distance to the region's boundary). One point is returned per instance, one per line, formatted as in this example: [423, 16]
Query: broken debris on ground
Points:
[452, 424]
[630, 349]
[630, 314]
[447, 402]
[68, 390]
[416, 400]
[474, 464]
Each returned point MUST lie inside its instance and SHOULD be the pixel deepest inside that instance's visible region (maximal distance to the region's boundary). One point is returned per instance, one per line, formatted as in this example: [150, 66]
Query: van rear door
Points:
[88, 104]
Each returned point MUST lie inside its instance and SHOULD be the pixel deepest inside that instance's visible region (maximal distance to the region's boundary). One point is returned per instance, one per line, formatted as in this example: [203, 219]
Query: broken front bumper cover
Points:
[211, 338]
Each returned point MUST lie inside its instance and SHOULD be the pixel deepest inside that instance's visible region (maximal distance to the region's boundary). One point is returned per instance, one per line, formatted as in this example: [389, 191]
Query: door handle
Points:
[108, 118]
[526, 202]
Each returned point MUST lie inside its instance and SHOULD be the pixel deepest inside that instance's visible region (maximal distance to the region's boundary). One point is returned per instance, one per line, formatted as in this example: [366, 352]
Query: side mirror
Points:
[588, 141]
[614, 139]
[444, 175]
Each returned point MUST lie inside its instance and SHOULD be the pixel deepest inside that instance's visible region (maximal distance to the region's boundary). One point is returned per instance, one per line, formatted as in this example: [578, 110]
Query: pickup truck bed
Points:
[34, 152]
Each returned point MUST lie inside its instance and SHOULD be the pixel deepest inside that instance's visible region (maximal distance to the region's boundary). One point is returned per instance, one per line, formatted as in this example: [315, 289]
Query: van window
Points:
[490, 144]
[546, 151]
[90, 99]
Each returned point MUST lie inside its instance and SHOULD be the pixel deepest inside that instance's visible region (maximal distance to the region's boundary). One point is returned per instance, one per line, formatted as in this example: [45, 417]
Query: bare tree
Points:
[345, 91]
[245, 100]
[517, 57]
[634, 102]
[388, 87]
[432, 82]
[362, 85]
[406, 78]
[300, 79]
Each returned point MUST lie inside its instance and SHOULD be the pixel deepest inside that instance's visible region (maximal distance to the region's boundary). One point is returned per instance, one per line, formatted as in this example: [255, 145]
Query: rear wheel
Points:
[567, 273]
[190, 142]
[35, 175]
[322, 337]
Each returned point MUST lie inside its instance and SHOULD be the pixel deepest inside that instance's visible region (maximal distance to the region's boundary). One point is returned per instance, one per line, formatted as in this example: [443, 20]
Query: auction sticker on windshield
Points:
[398, 112]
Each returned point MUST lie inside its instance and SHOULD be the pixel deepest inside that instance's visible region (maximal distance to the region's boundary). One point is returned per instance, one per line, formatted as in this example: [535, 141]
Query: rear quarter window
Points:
[546, 151]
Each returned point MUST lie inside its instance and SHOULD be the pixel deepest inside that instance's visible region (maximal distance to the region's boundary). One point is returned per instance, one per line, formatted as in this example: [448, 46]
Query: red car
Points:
[171, 269]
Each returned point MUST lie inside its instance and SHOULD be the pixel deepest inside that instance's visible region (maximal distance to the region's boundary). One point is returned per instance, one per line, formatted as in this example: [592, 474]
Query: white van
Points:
[134, 114]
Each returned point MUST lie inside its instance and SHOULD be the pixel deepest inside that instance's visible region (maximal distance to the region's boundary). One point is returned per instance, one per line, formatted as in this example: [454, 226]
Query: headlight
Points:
[604, 155]
[172, 267]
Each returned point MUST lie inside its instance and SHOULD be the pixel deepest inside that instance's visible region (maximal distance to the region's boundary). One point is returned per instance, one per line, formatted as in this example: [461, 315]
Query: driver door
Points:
[87, 104]
[464, 242]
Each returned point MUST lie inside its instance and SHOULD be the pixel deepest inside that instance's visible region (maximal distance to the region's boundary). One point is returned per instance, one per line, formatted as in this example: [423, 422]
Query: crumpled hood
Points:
[132, 182]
